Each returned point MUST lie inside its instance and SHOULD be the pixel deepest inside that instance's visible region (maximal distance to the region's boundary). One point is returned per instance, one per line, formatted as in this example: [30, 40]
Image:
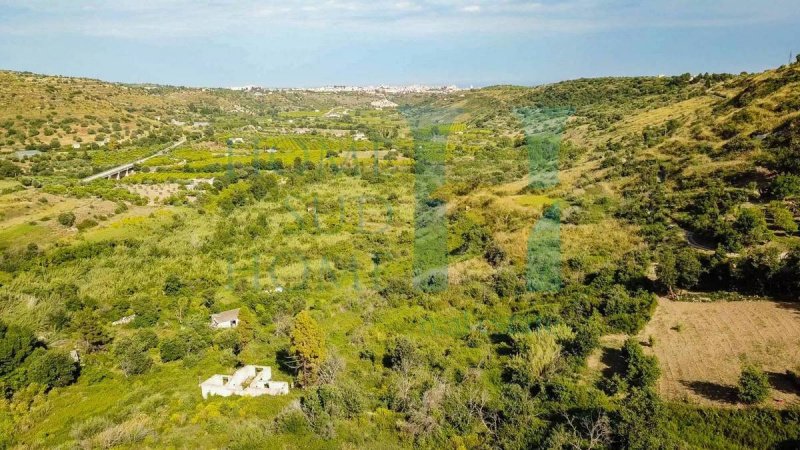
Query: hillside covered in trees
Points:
[472, 269]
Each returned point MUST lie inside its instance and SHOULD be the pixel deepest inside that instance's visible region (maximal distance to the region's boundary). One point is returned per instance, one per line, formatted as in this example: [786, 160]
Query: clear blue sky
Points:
[319, 42]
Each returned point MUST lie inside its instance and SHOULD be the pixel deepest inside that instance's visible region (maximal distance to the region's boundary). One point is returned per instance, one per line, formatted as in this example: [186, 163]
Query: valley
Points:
[595, 263]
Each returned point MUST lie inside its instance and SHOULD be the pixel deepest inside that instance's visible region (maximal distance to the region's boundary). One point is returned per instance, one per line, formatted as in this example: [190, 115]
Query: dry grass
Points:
[473, 268]
[154, 193]
[129, 432]
[703, 360]
[30, 216]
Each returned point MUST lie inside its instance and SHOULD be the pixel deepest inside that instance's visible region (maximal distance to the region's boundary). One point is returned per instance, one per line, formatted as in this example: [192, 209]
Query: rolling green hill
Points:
[564, 213]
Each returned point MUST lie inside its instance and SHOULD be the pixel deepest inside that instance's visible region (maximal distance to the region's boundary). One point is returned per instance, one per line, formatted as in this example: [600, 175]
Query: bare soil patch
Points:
[701, 348]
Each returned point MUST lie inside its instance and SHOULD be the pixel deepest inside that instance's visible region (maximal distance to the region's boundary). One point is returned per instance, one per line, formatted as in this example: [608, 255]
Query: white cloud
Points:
[151, 19]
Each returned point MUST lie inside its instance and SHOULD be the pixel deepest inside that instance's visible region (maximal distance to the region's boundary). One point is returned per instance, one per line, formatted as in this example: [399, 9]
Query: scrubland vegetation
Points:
[439, 283]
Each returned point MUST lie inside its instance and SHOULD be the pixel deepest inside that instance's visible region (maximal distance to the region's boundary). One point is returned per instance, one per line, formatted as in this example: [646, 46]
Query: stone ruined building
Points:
[248, 381]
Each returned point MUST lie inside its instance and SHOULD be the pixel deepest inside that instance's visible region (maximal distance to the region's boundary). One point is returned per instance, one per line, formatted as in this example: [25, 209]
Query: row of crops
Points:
[313, 143]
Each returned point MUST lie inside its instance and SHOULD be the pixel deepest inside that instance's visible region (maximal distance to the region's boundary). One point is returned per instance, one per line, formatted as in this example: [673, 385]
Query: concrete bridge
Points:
[126, 169]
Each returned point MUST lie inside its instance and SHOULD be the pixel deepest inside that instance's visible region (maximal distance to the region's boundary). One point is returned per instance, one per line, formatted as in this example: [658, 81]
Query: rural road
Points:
[114, 170]
[693, 242]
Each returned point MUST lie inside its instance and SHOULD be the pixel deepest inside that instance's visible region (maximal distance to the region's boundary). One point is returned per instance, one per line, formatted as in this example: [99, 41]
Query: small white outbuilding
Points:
[225, 319]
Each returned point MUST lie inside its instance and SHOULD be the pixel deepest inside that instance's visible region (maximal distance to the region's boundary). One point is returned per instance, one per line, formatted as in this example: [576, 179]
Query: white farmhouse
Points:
[249, 381]
[225, 319]
[359, 136]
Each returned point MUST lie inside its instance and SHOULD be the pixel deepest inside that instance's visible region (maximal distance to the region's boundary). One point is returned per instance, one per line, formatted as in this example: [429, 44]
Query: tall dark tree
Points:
[52, 368]
[90, 330]
[688, 268]
[666, 270]
[16, 343]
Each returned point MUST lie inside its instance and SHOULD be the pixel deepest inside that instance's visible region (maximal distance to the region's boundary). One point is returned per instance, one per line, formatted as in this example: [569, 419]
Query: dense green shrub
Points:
[641, 422]
[740, 144]
[9, 169]
[172, 349]
[52, 368]
[753, 385]
[228, 340]
[146, 310]
[784, 219]
[16, 344]
[786, 185]
[723, 428]
[86, 224]
[689, 268]
[751, 226]
[587, 338]
[173, 285]
[263, 184]
[641, 370]
[66, 219]
[90, 330]
[134, 361]
[401, 353]
[146, 339]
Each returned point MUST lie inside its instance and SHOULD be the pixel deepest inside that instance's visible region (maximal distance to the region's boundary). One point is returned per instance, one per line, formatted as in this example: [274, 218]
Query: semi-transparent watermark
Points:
[429, 269]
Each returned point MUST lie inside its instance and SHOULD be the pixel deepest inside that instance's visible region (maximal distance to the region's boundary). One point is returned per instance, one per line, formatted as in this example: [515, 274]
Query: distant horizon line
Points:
[365, 86]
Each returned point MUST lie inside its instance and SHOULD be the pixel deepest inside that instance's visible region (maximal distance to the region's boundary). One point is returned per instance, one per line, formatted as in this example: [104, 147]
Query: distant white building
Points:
[383, 103]
[249, 381]
[359, 136]
[76, 145]
[236, 140]
[225, 319]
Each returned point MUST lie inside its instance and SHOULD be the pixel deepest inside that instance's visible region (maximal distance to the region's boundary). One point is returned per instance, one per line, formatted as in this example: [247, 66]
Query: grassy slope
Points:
[167, 395]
